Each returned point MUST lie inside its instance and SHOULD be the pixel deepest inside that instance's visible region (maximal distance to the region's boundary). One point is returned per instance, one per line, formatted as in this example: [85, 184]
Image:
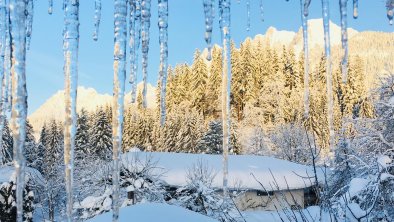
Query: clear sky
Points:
[186, 33]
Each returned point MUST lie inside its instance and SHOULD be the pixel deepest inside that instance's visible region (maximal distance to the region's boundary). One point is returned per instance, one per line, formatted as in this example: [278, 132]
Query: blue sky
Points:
[186, 33]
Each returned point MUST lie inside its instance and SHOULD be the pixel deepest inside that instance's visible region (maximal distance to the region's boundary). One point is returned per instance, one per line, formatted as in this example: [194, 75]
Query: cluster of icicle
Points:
[16, 19]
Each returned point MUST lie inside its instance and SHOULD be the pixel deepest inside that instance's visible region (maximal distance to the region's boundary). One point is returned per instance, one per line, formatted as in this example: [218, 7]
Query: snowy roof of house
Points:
[154, 212]
[7, 174]
[244, 171]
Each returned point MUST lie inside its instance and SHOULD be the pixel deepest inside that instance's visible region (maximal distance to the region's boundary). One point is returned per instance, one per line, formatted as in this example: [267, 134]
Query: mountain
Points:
[88, 98]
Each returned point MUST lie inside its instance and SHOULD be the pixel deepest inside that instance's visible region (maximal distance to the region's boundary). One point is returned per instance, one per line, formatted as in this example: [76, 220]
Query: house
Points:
[263, 183]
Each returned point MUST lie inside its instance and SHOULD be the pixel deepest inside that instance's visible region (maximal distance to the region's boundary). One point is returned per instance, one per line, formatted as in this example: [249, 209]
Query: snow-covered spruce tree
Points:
[212, 141]
[8, 201]
[190, 132]
[82, 136]
[368, 194]
[34, 152]
[201, 196]
[214, 83]
[139, 175]
[7, 145]
[101, 136]
[53, 193]
[199, 83]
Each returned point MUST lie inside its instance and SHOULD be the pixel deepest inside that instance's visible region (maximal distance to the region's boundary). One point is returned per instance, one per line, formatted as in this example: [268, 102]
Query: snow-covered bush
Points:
[293, 143]
[200, 196]
[368, 194]
[140, 176]
[8, 200]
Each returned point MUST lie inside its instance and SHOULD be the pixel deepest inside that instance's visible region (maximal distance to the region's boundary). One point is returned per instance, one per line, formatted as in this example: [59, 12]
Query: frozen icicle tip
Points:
[355, 13]
[391, 22]
[50, 10]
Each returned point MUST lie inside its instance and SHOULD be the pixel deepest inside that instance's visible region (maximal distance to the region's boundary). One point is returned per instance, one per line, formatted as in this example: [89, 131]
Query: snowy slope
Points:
[88, 98]
[154, 212]
[241, 170]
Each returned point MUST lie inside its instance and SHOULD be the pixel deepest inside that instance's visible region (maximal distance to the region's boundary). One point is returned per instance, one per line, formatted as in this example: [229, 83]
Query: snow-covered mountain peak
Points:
[88, 98]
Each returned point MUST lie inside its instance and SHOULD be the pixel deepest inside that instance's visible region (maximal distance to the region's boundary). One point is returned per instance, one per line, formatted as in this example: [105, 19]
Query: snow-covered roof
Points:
[154, 212]
[242, 170]
[7, 174]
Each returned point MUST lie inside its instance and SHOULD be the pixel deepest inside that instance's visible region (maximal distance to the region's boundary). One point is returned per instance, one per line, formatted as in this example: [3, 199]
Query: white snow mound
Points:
[154, 212]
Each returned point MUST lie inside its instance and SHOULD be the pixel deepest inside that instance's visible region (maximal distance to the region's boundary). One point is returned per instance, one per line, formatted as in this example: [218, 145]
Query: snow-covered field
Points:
[154, 212]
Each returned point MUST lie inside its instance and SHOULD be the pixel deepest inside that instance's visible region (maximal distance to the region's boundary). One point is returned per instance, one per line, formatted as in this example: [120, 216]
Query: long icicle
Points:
[224, 7]
[390, 10]
[3, 31]
[145, 13]
[137, 41]
[248, 15]
[70, 50]
[120, 43]
[344, 37]
[29, 22]
[330, 102]
[163, 38]
[209, 16]
[19, 96]
[355, 9]
[7, 64]
[50, 7]
[132, 39]
[262, 10]
[304, 20]
[97, 18]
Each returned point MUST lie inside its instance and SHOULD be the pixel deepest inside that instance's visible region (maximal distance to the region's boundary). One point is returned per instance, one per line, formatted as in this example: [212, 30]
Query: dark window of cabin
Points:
[310, 197]
[264, 193]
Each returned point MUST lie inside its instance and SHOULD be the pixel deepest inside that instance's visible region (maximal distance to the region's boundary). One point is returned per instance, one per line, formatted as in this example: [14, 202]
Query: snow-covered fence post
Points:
[70, 47]
[120, 35]
[19, 95]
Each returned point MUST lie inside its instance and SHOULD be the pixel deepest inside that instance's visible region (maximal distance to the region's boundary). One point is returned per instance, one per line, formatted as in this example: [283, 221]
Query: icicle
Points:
[50, 7]
[70, 49]
[132, 50]
[355, 9]
[224, 6]
[137, 41]
[330, 102]
[29, 23]
[7, 65]
[19, 105]
[343, 10]
[262, 10]
[97, 18]
[120, 35]
[163, 38]
[390, 10]
[304, 20]
[3, 31]
[307, 3]
[209, 16]
[248, 15]
[145, 13]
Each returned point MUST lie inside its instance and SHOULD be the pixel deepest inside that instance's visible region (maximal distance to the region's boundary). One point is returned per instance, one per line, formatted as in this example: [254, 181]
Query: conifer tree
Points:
[82, 135]
[101, 136]
[214, 84]
[7, 144]
[199, 83]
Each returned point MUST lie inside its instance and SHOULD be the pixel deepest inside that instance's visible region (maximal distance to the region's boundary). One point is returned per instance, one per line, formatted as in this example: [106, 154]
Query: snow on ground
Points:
[7, 174]
[242, 170]
[311, 213]
[154, 212]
